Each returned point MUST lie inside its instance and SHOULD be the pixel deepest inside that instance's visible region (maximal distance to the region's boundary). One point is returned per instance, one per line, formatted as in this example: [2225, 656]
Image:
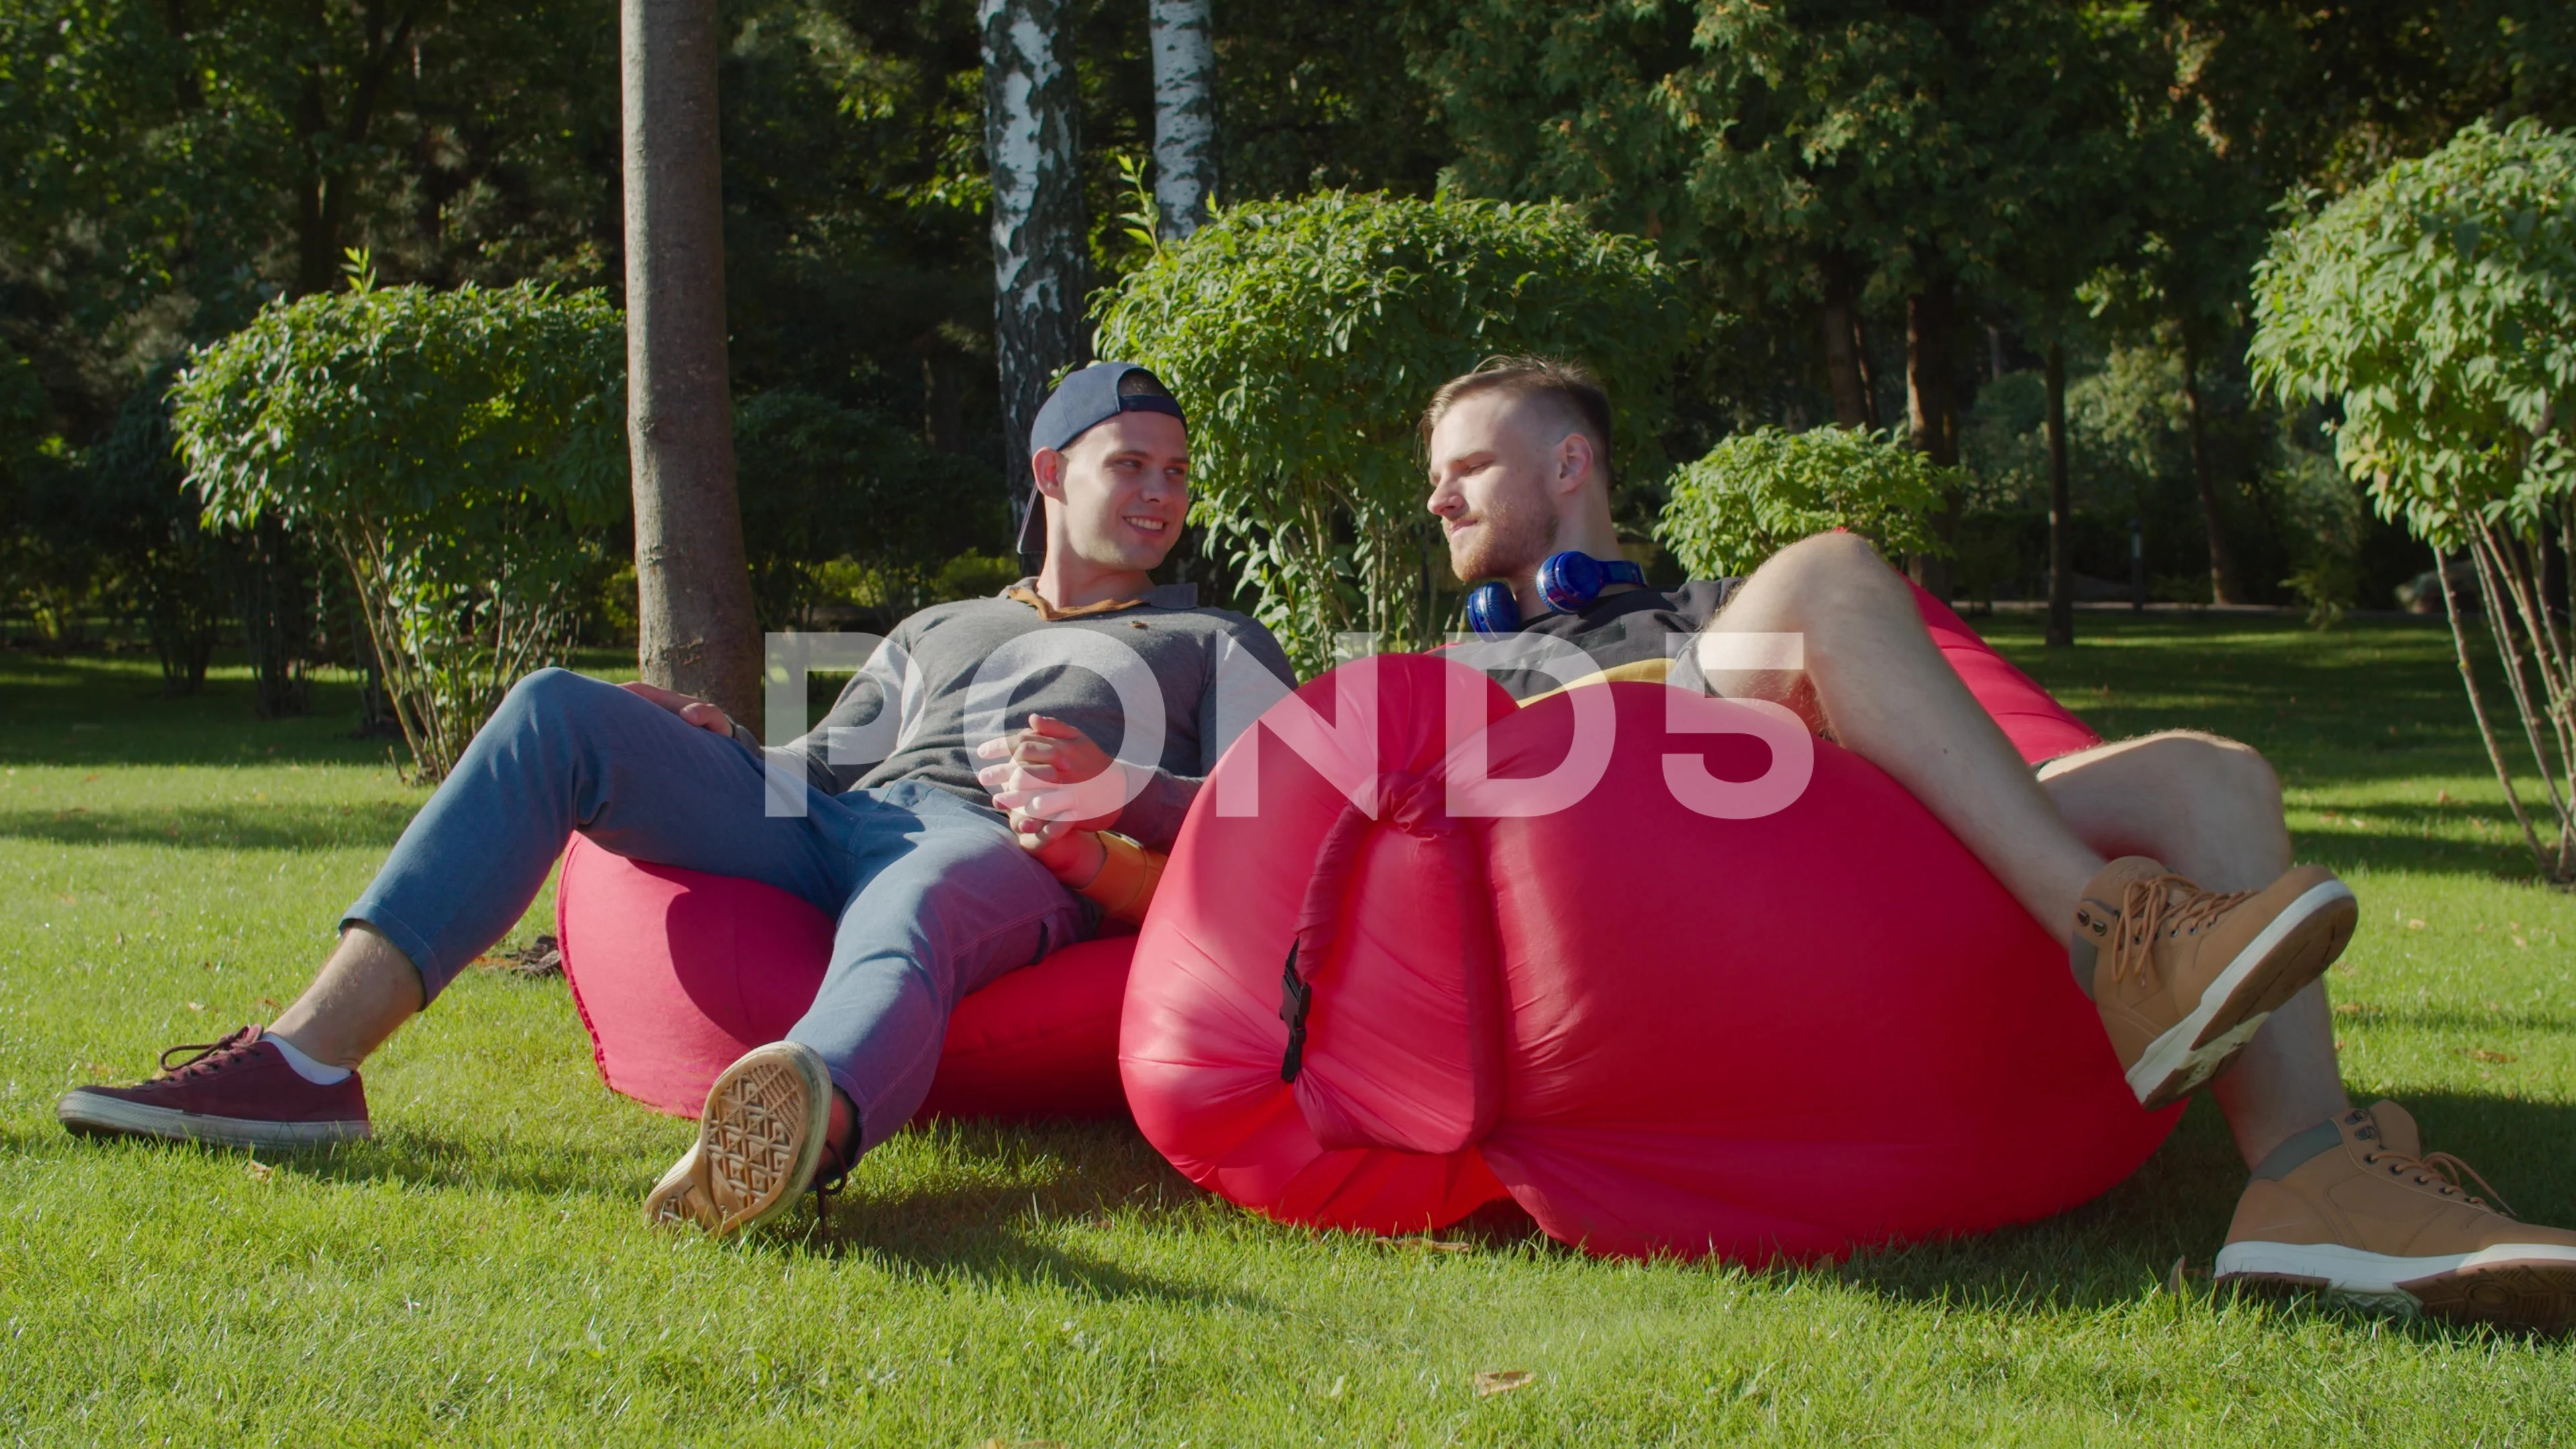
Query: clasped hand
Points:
[1052, 779]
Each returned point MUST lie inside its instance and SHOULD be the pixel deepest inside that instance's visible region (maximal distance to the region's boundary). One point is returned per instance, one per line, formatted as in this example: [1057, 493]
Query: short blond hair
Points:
[1570, 389]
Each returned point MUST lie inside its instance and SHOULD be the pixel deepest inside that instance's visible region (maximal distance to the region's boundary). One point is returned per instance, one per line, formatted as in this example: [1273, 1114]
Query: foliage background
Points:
[177, 165]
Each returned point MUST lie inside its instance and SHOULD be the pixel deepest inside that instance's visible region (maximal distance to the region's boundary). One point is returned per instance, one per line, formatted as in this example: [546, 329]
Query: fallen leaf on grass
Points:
[2355, 1008]
[2481, 1054]
[2415, 925]
[270, 1002]
[539, 958]
[259, 1171]
[1435, 1245]
[196, 1006]
[1503, 1381]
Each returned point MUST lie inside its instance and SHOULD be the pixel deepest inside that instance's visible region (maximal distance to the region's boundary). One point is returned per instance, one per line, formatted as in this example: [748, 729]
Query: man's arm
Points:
[866, 721]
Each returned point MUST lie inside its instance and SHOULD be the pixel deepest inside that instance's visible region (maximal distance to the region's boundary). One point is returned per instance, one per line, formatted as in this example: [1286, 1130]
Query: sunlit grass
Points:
[477, 1273]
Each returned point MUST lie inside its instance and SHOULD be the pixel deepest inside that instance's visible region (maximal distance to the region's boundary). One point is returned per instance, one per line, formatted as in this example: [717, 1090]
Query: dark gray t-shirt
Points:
[1624, 628]
[955, 675]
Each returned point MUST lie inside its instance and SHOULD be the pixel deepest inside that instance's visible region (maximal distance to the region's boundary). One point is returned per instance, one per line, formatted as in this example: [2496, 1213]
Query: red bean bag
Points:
[676, 973]
[1773, 1037]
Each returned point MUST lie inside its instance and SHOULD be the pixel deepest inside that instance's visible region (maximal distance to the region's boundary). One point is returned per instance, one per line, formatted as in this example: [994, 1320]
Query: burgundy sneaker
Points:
[239, 1092]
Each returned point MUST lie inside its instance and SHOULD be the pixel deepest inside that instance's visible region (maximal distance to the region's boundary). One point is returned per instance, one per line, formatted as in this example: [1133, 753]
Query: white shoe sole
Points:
[2533, 1284]
[759, 1139]
[2180, 1060]
[88, 1112]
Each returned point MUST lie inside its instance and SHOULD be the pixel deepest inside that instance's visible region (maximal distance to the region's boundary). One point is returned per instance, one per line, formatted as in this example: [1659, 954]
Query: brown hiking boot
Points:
[2355, 1208]
[2184, 976]
[238, 1092]
[759, 1141]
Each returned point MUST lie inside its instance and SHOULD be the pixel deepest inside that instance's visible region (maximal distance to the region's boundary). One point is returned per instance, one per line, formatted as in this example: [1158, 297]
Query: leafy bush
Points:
[184, 578]
[1304, 338]
[463, 453]
[1761, 491]
[2437, 307]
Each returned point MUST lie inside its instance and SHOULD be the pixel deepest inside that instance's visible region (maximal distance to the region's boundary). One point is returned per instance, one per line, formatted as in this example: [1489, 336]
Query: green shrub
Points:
[464, 455]
[1761, 491]
[2436, 307]
[1304, 338]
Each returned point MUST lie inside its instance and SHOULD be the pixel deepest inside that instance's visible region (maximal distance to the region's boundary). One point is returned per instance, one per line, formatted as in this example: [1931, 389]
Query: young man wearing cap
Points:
[897, 837]
[2103, 847]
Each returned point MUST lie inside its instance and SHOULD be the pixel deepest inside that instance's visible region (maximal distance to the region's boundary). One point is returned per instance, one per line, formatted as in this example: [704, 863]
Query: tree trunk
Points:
[694, 624]
[2061, 512]
[2222, 568]
[1184, 115]
[322, 198]
[1932, 411]
[1032, 145]
[1845, 368]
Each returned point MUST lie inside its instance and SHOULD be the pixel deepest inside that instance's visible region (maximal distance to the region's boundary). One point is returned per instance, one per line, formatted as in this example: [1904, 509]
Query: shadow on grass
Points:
[2121, 1246]
[97, 711]
[2396, 850]
[403, 1157]
[250, 825]
[1003, 1229]
[2464, 1021]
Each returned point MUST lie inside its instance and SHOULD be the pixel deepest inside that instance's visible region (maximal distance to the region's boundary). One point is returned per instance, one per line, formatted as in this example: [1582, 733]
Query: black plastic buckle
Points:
[1295, 998]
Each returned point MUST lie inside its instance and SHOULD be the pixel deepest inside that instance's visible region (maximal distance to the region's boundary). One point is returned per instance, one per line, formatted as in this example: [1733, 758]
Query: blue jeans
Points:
[933, 897]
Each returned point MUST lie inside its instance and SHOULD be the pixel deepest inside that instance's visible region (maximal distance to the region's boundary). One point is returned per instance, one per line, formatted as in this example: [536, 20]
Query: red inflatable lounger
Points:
[676, 973]
[1773, 1037]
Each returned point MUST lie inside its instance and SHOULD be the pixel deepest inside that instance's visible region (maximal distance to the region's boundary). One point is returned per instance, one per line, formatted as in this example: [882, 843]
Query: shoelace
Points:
[830, 1175]
[2147, 909]
[211, 1056]
[2450, 1174]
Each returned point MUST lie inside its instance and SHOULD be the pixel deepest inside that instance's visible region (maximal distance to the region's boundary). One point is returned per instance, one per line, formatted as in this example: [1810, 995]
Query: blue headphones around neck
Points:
[1569, 581]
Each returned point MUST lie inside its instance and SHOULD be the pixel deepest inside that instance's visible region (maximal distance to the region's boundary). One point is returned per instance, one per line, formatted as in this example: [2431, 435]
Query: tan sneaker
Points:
[2355, 1208]
[2184, 976]
[759, 1141]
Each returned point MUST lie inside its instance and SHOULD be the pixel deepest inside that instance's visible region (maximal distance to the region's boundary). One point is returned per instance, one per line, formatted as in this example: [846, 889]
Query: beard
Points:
[1505, 541]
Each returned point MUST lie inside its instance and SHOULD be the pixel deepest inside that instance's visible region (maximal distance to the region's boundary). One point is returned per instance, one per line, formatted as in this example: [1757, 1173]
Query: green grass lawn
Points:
[477, 1272]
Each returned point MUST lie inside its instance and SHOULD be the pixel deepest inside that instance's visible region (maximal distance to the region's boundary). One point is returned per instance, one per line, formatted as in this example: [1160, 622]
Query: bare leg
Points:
[365, 992]
[1875, 680]
[2210, 809]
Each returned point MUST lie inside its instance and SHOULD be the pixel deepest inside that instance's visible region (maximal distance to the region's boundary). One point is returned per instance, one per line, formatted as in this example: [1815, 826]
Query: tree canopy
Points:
[1303, 339]
[1874, 214]
[2436, 307]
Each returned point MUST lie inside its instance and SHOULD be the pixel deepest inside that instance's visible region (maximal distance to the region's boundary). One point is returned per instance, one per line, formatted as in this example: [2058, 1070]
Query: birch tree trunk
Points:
[1032, 146]
[1184, 115]
[696, 632]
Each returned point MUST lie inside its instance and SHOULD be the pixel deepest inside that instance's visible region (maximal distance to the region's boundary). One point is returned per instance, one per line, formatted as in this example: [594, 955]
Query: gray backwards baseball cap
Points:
[1083, 401]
